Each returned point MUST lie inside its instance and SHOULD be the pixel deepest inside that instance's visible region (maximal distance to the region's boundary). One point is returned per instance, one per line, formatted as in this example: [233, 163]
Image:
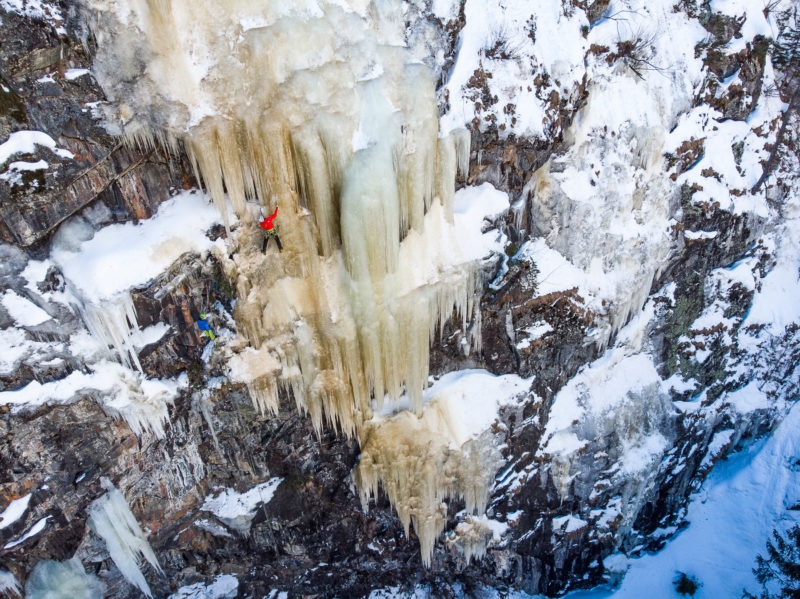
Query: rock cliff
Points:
[632, 305]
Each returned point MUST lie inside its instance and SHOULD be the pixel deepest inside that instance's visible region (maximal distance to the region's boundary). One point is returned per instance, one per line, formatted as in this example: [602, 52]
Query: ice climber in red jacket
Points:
[268, 224]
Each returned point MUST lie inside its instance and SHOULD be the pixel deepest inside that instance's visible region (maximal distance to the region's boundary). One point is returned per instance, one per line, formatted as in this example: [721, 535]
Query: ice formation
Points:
[448, 450]
[9, 585]
[418, 467]
[112, 322]
[474, 534]
[606, 204]
[51, 579]
[100, 267]
[120, 392]
[320, 109]
[112, 520]
[141, 402]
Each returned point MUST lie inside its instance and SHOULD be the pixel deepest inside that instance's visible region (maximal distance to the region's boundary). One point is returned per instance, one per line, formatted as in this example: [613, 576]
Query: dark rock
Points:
[101, 167]
[736, 99]
[594, 9]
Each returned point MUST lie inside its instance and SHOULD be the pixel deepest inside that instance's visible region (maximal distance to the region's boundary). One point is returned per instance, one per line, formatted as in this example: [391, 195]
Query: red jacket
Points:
[267, 224]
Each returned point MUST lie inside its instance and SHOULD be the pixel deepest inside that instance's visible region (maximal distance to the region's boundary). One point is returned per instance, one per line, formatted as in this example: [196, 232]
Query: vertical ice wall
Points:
[316, 107]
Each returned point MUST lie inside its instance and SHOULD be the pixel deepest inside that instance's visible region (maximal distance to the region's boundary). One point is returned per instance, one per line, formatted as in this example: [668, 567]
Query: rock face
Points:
[566, 511]
[47, 87]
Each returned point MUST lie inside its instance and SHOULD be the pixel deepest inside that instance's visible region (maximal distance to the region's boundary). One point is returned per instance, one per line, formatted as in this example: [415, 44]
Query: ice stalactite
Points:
[471, 537]
[141, 402]
[112, 322]
[112, 520]
[419, 463]
[317, 108]
[201, 403]
[120, 392]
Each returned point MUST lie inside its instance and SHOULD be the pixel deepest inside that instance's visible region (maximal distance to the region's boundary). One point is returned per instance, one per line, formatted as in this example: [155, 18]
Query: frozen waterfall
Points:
[320, 109]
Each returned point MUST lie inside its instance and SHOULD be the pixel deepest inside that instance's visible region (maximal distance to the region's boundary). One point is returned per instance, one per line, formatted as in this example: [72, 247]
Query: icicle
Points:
[201, 402]
[462, 140]
[111, 519]
[415, 462]
[113, 322]
[519, 212]
[9, 585]
[560, 467]
[471, 538]
[185, 470]
[141, 402]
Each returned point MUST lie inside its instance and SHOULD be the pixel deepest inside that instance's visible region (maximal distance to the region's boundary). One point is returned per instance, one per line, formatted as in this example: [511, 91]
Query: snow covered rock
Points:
[635, 287]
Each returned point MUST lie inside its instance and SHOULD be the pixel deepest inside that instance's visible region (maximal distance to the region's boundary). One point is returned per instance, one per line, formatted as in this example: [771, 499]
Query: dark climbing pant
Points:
[266, 240]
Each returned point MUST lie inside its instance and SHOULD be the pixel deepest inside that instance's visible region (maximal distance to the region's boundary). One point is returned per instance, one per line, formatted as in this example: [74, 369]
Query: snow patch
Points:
[72, 74]
[34, 530]
[37, 9]
[750, 398]
[238, 509]
[14, 511]
[224, 586]
[23, 311]
[473, 208]
[120, 257]
[568, 524]
[25, 142]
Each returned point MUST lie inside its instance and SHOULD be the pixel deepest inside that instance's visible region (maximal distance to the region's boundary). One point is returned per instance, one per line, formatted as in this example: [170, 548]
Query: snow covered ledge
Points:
[100, 268]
